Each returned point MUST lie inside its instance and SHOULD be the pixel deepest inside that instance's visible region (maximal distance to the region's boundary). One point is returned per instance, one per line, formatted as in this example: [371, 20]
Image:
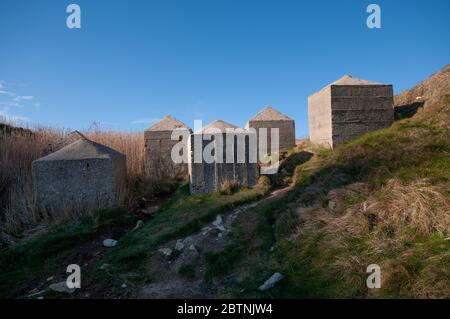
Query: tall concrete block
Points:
[269, 119]
[158, 161]
[348, 108]
[208, 175]
[81, 176]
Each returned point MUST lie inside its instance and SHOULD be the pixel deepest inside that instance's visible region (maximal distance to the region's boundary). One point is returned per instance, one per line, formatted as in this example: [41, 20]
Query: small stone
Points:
[165, 251]
[40, 297]
[104, 266]
[276, 277]
[36, 292]
[192, 247]
[50, 278]
[219, 235]
[33, 291]
[124, 286]
[218, 221]
[109, 242]
[179, 245]
[332, 204]
[139, 224]
[61, 287]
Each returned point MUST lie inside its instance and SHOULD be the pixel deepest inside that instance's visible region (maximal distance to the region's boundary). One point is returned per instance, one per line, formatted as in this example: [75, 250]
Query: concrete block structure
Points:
[270, 118]
[81, 176]
[238, 163]
[158, 148]
[64, 141]
[348, 108]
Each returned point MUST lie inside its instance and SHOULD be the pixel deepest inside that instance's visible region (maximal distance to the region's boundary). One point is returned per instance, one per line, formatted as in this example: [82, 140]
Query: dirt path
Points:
[185, 254]
[179, 265]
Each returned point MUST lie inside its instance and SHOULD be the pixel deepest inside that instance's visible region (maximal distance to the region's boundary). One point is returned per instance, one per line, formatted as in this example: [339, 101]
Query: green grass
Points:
[261, 241]
[187, 271]
[408, 151]
[181, 216]
[34, 257]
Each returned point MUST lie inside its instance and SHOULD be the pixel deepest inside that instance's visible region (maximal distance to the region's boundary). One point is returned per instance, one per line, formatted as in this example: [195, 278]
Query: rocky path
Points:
[178, 265]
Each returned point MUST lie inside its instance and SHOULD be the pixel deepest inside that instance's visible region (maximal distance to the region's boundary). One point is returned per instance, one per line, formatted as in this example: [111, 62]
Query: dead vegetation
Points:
[382, 199]
[20, 147]
[229, 187]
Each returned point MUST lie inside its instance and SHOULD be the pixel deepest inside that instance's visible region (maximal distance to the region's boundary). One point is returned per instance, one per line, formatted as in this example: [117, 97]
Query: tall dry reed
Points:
[20, 147]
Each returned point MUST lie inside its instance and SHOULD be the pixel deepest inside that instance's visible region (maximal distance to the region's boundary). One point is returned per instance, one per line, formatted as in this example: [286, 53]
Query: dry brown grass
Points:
[17, 151]
[435, 93]
[129, 143]
[229, 187]
[394, 226]
[418, 204]
[19, 148]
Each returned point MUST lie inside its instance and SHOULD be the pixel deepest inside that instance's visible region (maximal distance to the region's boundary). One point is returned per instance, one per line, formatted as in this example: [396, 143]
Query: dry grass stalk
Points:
[19, 148]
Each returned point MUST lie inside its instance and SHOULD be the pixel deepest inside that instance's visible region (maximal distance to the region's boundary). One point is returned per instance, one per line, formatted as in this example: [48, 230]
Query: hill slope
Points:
[383, 199]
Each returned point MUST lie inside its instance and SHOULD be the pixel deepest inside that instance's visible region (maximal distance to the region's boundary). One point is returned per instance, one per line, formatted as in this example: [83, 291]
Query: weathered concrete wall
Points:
[158, 160]
[207, 177]
[319, 117]
[286, 131]
[360, 109]
[79, 185]
[339, 113]
[119, 172]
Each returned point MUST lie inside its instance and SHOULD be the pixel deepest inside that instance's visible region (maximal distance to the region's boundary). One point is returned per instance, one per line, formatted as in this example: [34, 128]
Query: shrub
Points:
[229, 187]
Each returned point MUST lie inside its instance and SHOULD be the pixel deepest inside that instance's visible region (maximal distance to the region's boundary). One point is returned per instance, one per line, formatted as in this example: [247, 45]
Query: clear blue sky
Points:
[135, 61]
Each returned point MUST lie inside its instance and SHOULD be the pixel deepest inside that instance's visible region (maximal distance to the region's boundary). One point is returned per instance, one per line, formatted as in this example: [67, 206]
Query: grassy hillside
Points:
[383, 198]
[27, 265]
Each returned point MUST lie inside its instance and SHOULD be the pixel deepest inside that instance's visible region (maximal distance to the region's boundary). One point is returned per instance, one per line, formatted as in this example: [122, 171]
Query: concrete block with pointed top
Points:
[158, 161]
[348, 108]
[81, 176]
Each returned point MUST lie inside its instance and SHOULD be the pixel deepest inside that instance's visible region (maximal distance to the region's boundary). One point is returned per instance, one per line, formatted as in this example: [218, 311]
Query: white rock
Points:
[165, 251]
[276, 277]
[50, 278]
[61, 287]
[332, 204]
[124, 286]
[139, 224]
[179, 245]
[109, 242]
[35, 292]
[218, 222]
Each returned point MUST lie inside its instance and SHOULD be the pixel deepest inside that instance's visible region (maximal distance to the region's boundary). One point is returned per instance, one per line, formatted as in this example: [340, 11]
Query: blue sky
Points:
[135, 61]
